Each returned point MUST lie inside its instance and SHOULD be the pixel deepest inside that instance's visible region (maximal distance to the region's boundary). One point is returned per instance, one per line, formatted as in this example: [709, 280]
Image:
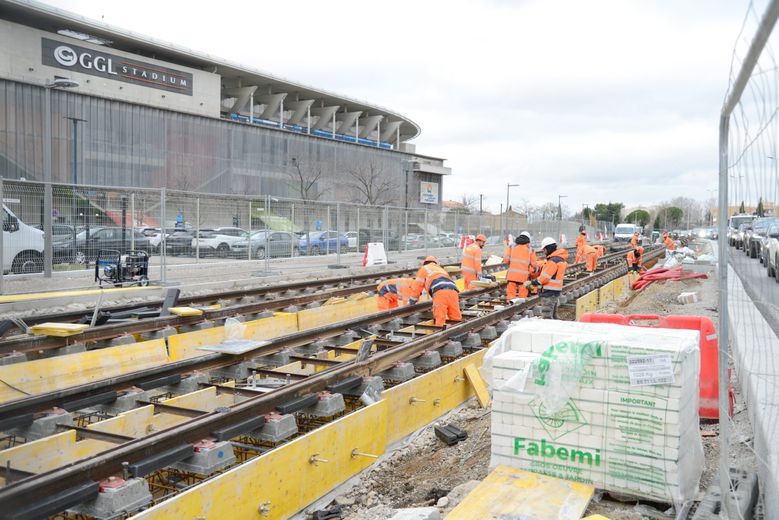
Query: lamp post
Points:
[408, 166]
[506, 217]
[76, 121]
[560, 215]
[48, 196]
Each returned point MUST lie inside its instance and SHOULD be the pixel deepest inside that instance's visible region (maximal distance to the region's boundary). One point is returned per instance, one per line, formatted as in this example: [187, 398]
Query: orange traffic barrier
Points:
[709, 378]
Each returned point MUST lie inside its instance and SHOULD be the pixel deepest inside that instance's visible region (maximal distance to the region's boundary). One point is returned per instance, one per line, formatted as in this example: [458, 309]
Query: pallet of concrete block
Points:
[608, 405]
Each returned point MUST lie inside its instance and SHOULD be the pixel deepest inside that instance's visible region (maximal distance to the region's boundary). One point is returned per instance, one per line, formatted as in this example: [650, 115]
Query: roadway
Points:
[764, 291]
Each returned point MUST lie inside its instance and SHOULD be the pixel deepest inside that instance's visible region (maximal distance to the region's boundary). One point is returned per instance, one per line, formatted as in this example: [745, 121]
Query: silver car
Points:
[272, 243]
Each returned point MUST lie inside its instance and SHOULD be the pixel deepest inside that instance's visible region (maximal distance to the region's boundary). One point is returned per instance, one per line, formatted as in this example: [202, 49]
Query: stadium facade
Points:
[127, 110]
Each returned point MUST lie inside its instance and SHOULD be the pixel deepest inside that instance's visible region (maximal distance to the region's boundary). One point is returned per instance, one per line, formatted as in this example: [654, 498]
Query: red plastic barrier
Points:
[709, 378]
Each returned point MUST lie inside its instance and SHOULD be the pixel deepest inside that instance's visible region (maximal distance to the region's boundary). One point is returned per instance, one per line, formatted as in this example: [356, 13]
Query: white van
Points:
[22, 245]
[624, 232]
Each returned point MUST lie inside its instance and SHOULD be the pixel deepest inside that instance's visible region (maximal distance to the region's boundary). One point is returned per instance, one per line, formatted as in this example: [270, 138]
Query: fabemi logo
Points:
[548, 450]
[578, 353]
[119, 68]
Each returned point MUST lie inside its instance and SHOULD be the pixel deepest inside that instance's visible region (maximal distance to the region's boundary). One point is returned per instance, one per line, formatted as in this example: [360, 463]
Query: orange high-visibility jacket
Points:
[554, 270]
[632, 259]
[399, 286]
[634, 241]
[581, 241]
[669, 244]
[472, 260]
[522, 262]
[431, 278]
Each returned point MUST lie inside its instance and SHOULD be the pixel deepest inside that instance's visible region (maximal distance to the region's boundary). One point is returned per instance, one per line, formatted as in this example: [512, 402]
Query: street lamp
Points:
[76, 121]
[406, 169]
[506, 218]
[48, 197]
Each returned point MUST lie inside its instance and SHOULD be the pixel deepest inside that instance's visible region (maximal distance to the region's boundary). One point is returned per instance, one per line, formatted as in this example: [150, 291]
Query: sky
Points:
[603, 100]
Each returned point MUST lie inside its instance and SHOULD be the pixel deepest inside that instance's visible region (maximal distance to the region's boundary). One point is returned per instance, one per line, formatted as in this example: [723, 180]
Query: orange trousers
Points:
[467, 279]
[592, 262]
[446, 306]
[387, 302]
[515, 290]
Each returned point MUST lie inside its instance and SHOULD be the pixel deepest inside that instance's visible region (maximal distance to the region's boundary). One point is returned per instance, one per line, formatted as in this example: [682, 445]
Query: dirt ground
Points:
[426, 472]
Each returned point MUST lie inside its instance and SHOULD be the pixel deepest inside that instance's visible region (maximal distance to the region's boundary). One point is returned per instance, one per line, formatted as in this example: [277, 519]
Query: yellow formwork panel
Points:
[283, 481]
[13, 298]
[329, 314]
[280, 324]
[454, 384]
[478, 384]
[41, 455]
[514, 493]
[587, 303]
[138, 422]
[55, 373]
[185, 345]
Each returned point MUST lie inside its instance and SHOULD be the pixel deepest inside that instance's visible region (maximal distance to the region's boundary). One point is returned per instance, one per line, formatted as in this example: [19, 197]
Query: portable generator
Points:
[131, 268]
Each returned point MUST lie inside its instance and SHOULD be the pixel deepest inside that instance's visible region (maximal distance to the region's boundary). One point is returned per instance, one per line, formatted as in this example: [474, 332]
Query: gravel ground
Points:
[425, 472]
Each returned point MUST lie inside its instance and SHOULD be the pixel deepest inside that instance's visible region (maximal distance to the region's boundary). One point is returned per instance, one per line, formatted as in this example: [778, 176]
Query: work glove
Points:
[527, 283]
[491, 278]
[412, 301]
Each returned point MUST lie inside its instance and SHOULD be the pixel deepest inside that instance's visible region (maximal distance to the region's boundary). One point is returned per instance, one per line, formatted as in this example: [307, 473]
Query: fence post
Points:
[249, 238]
[329, 227]
[358, 229]
[197, 230]
[2, 252]
[337, 232]
[292, 220]
[425, 232]
[163, 267]
[267, 234]
[405, 229]
[132, 221]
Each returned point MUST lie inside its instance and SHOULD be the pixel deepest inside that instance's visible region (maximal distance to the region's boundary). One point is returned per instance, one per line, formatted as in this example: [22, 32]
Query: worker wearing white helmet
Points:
[553, 271]
[523, 263]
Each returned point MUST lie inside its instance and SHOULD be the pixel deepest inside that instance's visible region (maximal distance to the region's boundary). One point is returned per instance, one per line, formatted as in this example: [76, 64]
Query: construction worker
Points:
[590, 257]
[635, 259]
[634, 240]
[553, 271]
[581, 241]
[471, 265]
[523, 263]
[432, 278]
[393, 292]
[668, 242]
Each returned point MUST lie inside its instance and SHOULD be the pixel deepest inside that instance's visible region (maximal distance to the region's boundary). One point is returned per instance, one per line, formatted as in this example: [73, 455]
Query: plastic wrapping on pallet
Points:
[608, 405]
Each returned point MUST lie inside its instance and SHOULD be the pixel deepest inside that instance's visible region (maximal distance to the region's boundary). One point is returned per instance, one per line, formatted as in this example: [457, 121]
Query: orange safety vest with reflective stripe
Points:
[522, 262]
[553, 272]
[633, 260]
[399, 286]
[431, 278]
[669, 244]
[581, 241]
[472, 260]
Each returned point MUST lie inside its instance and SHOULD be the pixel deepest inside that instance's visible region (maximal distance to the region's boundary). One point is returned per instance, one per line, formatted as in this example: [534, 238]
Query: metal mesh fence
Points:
[749, 253]
[188, 235]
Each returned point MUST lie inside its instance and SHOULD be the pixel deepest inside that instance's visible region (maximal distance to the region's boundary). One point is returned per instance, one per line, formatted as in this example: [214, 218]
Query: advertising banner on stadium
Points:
[428, 192]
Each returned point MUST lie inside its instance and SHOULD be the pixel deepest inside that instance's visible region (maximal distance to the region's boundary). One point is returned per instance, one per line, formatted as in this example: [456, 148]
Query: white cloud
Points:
[599, 100]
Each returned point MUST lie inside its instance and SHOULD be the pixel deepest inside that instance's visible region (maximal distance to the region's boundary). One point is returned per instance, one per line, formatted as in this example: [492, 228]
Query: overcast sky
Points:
[598, 100]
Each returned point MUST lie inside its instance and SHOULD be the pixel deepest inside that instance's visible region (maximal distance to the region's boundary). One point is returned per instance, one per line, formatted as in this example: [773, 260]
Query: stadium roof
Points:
[234, 76]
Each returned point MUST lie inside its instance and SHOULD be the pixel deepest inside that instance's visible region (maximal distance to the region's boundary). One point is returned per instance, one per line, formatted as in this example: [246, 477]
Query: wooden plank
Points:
[479, 386]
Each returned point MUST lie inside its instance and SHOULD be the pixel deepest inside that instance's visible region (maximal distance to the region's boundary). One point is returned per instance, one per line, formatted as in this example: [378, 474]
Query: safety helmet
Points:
[525, 234]
[582, 228]
[636, 233]
[548, 241]
[665, 234]
[430, 260]
[640, 250]
[481, 237]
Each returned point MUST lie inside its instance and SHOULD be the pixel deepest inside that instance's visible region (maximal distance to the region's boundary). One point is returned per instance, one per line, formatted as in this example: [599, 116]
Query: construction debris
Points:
[688, 297]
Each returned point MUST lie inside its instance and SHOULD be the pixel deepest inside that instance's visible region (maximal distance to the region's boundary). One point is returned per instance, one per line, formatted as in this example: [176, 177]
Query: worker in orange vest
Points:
[668, 242]
[523, 263]
[432, 278]
[581, 241]
[635, 259]
[471, 265]
[590, 257]
[635, 239]
[553, 272]
[393, 293]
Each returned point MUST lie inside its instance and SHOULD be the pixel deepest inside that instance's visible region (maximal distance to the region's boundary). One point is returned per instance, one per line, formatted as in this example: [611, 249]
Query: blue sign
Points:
[318, 225]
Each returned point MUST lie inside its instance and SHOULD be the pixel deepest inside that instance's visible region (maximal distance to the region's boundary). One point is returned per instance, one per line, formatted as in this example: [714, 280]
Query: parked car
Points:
[772, 248]
[734, 224]
[351, 236]
[273, 243]
[22, 245]
[154, 235]
[390, 239]
[321, 242]
[624, 232]
[58, 230]
[218, 241]
[759, 238]
[179, 242]
[738, 235]
[90, 241]
[413, 241]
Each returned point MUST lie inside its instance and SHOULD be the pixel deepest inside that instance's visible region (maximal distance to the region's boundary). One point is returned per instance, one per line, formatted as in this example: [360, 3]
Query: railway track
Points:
[250, 302]
[77, 481]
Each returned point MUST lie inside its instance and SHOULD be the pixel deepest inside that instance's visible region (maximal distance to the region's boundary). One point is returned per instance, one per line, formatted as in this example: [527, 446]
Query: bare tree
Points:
[371, 184]
[470, 203]
[304, 180]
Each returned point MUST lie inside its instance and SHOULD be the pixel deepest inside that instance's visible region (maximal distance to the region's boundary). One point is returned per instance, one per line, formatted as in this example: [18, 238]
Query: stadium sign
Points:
[97, 63]
[428, 192]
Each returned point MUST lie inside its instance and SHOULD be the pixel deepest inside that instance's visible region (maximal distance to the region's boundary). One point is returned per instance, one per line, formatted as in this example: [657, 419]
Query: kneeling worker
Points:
[432, 278]
[522, 262]
[553, 272]
[635, 259]
[590, 257]
[393, 292]
[471, 266]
